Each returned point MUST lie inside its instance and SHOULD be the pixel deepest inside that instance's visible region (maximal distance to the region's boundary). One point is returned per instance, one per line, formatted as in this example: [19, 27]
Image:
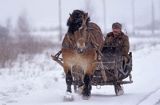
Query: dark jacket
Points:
[121, 42]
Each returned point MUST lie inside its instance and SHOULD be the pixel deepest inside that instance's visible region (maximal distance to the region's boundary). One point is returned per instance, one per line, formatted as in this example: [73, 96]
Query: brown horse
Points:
[79, 48]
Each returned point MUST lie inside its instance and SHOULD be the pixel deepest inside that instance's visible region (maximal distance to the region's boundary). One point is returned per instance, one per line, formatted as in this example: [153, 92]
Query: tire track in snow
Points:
[146, 97]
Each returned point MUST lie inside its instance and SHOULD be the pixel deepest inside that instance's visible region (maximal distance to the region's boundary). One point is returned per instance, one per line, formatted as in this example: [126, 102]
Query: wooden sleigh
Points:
[110, 70]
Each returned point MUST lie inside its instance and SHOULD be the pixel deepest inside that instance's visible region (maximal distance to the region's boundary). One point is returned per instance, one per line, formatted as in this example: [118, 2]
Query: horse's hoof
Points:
[85, 97]
[68, 97]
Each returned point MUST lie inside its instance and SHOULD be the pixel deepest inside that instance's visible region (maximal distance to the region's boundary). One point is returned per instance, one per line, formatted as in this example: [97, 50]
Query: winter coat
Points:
[120, 41]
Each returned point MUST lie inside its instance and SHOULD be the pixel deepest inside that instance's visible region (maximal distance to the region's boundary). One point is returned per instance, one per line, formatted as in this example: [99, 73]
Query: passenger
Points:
[118, 39]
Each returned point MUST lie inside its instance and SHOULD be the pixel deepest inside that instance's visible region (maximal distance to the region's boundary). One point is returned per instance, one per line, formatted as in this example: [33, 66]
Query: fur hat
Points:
[117, 25]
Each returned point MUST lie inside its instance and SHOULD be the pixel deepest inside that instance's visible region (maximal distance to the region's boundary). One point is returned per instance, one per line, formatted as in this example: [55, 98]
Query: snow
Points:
[40, 81]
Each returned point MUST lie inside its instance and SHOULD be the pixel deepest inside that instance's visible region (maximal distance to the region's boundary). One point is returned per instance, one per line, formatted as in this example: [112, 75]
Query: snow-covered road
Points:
[48, 87]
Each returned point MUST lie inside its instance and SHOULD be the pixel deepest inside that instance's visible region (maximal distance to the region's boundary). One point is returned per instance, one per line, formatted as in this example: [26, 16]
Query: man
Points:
[118, 39]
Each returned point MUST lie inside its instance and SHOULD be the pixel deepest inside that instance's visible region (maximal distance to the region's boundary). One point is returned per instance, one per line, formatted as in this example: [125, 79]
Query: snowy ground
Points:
[40, 81]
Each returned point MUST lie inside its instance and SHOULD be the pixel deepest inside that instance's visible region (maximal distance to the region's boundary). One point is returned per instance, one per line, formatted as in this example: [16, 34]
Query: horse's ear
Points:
[69, 19]
[86, 17]
[86, 14]
[70, 16]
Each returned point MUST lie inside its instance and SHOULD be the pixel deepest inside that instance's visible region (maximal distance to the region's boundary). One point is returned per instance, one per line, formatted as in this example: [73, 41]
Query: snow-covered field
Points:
[40, 81]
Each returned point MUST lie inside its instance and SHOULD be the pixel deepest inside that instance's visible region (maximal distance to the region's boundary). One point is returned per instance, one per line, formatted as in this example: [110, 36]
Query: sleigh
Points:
[111, 70]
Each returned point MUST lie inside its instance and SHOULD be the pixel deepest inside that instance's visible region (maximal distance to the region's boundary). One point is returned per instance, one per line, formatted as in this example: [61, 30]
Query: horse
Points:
[79, 48]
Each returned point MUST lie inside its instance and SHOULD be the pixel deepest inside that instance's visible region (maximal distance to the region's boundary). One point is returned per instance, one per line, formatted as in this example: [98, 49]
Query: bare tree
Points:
[4, 36]
[23, 27]
[9, 23]
[9, 26]
[3, 33]
[23, 32]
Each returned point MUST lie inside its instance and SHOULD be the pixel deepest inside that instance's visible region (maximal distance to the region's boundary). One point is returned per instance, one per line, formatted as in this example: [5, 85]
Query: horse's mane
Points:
[75, 23]
[95, 34]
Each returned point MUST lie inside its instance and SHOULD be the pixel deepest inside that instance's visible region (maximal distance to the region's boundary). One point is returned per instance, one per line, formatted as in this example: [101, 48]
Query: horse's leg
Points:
[87, 81]
[69, 80]
[87, 86]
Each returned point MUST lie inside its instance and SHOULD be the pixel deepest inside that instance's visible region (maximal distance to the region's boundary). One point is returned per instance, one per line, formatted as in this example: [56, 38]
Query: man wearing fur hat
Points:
[120, 41]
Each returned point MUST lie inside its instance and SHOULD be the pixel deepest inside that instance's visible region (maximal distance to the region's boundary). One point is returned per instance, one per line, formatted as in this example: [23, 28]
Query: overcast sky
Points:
[45, 12]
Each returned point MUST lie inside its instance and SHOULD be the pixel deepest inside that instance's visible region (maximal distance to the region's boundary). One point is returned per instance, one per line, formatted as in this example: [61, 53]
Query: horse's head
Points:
[75, 20]
[81, 37]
